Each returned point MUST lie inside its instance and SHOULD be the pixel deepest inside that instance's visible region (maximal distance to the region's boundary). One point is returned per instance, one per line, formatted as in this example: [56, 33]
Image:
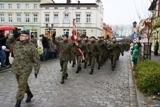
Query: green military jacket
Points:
[25, 56]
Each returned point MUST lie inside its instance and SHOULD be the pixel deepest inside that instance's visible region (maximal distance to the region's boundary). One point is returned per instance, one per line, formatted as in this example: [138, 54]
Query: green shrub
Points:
[148, 77]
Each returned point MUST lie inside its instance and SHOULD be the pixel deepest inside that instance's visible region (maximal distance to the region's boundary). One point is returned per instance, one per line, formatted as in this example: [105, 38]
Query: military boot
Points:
[29, 96]
[73, 64]
[18, 103]
[62, 80]
[91, 71]
[99, 67]
[66, 76]
[78, 69]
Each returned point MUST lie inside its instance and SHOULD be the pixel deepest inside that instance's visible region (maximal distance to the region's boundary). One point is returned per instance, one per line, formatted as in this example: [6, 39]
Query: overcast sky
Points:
[121, 12]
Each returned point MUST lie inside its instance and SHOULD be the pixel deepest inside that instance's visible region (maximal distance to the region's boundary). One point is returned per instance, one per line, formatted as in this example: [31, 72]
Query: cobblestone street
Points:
[104, 88]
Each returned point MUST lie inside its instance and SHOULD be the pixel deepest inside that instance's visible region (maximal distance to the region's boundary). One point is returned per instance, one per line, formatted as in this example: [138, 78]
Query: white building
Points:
[59, 17]
[39, 16]
[24, 14]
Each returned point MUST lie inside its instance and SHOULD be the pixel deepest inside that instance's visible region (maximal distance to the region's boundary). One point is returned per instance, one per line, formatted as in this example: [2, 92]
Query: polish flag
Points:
[74, 38]
[74, 31]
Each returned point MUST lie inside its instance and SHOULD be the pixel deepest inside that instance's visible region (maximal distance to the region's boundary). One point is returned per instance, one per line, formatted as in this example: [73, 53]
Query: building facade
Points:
[59, 17]
[24, 14]
[39, 17]
[155, 9]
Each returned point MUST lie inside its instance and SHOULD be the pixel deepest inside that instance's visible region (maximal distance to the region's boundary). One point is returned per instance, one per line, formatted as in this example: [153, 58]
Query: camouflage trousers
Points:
[23, 87]
[93, 61]
[113, 61]
[79, 61]
[63, 64]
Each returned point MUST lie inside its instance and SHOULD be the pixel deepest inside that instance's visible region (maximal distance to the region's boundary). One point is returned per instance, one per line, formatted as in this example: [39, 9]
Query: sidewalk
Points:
[155, 58]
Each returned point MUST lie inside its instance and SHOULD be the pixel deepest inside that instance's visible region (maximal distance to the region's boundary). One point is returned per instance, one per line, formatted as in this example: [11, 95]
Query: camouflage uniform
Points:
[94, 53]
[113, 54]
[78, 56]
[25, 58]
[65, 52]
[85, 50]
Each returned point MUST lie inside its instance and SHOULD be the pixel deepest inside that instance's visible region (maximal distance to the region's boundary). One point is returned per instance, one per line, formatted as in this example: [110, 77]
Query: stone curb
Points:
[133, 90]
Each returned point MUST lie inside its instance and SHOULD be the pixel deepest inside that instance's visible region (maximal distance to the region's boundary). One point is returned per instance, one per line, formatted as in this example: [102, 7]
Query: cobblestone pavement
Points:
[103, 89]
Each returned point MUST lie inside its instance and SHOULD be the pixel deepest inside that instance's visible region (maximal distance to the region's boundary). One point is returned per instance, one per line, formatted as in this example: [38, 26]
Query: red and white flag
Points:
[74, 38]
[74, 31]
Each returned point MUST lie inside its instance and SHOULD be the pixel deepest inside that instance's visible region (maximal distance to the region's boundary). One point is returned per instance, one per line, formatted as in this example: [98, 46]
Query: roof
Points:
[20, 0]
[153, 5]
[70, 4]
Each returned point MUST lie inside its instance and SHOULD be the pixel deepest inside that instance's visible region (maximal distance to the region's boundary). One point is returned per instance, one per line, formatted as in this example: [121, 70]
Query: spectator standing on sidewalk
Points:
[135, 55]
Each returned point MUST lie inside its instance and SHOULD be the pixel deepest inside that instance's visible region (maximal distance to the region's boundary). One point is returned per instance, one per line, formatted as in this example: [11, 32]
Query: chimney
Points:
[79, 2]
[68, 1]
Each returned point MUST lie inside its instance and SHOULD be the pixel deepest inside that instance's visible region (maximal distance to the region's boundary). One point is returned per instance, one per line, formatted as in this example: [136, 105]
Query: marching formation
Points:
[90, 52]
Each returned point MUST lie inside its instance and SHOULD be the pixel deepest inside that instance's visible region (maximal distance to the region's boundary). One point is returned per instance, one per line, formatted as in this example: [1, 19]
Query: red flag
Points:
[74, 31]
[74, 38]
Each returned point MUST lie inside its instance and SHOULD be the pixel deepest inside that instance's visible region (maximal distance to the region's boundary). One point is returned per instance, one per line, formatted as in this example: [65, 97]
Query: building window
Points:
[47, 17]
[66, 18]
[78, 18]
[10, 6]
[81, 31]
[35, 17]
[18, 15]
[18, 6]
[27, 6]
[66, 31]
[1, 6]
[2, 19]
[35, 6]
[55, 18]
[55, 7]
[27, 17]
[10, 17]
[88, 18]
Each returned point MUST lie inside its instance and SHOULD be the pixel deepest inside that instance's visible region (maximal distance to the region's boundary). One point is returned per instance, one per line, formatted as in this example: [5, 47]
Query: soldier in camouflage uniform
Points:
[101, 51]
[85, 50]
[25, 56]
[113, 53]
[65, 47]
[94, 53]
[78, 56]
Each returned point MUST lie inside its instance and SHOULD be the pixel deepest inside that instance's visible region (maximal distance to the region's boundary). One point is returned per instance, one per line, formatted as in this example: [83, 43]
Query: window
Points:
[18, 6]
[81, 31]
[10, 18]
[35, 17]
[2, 19]
[1, 6]
[88, 18]
[18, 15]
[10, 6]
[46, 17]
[35, 6]
[78, 18]
[66, 31]
[66, 18]
[55, 7]
[55, 18]
[27, 6]
[27, 17]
